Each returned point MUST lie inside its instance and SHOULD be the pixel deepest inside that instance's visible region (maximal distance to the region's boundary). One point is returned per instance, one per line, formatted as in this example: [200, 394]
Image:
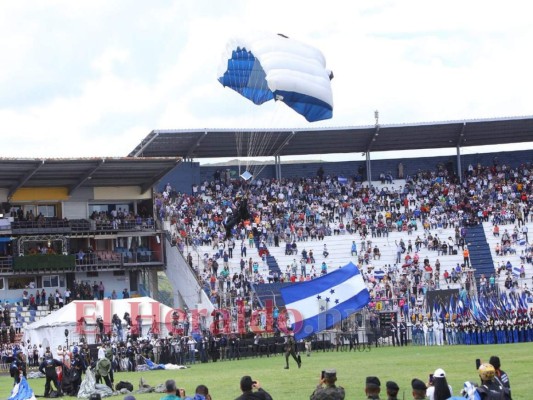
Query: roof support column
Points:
[460, 141]
[459, 166]
[368, 169]
[277, 165]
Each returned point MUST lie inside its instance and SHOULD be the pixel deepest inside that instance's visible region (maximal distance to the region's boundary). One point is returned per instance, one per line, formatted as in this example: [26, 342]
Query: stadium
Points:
[278, 247]
[95, 229]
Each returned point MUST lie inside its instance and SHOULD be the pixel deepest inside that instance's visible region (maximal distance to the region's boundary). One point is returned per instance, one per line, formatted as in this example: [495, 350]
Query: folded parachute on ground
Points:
[263, 67]
[153, 365]
[22, 391]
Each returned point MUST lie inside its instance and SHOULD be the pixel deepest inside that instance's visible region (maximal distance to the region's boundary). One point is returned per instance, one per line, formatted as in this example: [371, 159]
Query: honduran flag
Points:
[321, 303]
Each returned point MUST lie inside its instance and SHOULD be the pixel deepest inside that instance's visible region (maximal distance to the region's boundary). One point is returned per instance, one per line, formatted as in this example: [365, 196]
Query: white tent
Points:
[50, 330]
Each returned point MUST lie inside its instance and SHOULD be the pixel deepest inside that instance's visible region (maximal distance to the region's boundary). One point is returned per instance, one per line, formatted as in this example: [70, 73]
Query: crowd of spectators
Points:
[291, 212]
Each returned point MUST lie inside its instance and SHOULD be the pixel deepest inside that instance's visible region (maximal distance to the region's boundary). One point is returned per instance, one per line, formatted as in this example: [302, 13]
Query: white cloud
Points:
[93, 78]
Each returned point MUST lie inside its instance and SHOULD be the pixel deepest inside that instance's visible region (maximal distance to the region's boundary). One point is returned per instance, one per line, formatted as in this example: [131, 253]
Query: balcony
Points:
[138, 224]
[65, 226]
[44, 262]
[118, 259]
[45, 225]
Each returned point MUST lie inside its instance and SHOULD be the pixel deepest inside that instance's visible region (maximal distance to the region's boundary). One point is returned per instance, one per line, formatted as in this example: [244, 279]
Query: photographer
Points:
[438, 387]
[326, 388]
[247, 387]
[117, 323]
[100, 326]
[490, 388]
[172, 393]
[500, 375]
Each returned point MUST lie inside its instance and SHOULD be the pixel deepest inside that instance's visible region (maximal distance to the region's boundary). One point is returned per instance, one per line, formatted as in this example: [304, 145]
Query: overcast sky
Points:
[93, 78]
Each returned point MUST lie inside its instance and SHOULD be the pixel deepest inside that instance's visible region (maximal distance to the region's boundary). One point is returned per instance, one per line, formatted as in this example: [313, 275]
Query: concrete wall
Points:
[182, 177]
[411, 165]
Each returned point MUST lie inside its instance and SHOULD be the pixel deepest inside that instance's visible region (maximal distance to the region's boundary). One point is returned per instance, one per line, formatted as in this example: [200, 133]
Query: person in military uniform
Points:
[234, 342]
[418, 389]
[77, 365]
[104, 369]
[308, 345]
[326, 389]
[290, 350]
[130, 354]
[392, 390]
[372, 387]
[48, 368]
[403, 333]
[394, 332]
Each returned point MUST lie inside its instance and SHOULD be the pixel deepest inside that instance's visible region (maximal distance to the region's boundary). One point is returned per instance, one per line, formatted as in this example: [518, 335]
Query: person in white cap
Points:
[438, 387]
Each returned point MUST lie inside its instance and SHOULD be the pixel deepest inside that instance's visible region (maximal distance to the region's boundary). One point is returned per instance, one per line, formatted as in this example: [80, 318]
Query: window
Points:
[50, 281]
[20, 282]
[92, 274]
[107, 208]
[47, 210]
[118, 273]
[1, 283]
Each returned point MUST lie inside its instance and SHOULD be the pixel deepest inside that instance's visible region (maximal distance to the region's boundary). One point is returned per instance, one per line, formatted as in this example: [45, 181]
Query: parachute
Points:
[22, 391]
[264, 67]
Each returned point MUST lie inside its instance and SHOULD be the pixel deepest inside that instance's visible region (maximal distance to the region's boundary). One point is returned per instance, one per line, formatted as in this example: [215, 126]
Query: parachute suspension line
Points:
[270, 139]
[239, 81]
[256, 141]
[243, 146]
[253, 144]
[259, 140]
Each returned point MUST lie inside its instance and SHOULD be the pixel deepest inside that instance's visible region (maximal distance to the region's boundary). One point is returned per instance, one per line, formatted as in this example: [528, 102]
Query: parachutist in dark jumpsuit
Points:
[18, 368]
[242, 214]
[48, 368]
[290, 350]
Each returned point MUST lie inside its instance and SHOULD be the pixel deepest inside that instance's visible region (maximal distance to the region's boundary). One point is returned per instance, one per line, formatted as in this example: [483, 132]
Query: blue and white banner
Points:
[319, 304]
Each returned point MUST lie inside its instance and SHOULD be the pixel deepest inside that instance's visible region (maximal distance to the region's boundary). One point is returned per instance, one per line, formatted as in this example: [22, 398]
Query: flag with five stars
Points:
[321, 303]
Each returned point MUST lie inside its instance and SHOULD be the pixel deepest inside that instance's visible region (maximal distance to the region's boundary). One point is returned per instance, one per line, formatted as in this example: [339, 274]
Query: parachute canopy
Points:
[265, 67]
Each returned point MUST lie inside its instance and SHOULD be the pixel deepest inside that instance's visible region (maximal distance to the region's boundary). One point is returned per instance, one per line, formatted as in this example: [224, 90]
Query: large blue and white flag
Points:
[319, 304]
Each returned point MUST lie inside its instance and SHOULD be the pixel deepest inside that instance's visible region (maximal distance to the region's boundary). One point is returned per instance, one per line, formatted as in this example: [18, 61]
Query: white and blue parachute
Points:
[264, 67]
[22, 391]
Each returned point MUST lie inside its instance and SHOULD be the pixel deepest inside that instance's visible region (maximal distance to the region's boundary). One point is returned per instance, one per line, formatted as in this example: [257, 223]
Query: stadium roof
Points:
[212, 143]
[83, 172]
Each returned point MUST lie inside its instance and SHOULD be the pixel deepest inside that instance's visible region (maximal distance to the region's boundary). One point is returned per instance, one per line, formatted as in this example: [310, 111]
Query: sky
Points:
[93, 78]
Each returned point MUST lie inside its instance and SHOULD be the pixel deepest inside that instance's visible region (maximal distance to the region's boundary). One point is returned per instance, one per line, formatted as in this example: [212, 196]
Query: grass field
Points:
[388, 363]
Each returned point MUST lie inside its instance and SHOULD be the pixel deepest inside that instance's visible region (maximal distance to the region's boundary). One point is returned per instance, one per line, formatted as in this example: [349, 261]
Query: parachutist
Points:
[242, 214]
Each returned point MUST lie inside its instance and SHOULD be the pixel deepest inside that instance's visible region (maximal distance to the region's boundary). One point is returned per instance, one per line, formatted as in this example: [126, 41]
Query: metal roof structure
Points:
[83, 172]
[212, 143]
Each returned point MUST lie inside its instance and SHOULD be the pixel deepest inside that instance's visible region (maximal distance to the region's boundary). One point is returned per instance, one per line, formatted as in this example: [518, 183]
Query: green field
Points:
[388, 363]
